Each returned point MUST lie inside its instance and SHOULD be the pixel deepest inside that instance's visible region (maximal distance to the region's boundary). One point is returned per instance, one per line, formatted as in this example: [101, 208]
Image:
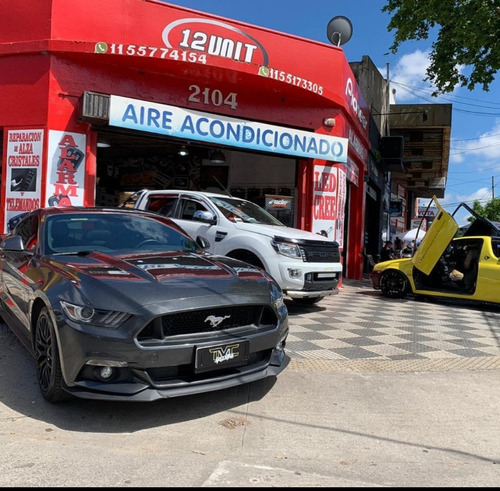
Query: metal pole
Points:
[388, 131]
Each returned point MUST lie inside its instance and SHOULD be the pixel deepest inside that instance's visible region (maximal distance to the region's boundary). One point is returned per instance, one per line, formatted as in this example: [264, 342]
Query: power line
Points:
[455, 99]
[430, 101]
[471, 139]
[474, 149]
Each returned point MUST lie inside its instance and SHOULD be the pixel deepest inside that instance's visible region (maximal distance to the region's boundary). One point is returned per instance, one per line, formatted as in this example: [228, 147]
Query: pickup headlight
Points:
[84, 314]
[288, 249]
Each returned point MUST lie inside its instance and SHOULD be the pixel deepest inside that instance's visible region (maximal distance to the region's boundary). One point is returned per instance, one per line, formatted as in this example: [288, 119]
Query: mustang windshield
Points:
[112, 233]
[238, 210]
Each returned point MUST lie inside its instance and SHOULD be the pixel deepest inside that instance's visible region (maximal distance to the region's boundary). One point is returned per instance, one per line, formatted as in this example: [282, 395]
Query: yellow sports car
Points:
[447, 264]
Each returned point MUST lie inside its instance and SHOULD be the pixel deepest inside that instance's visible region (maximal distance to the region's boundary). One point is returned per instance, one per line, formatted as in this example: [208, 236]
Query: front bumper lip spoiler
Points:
[141, 392]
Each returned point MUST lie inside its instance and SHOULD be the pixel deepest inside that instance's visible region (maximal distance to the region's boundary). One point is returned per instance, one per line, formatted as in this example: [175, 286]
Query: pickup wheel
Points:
[246, 256]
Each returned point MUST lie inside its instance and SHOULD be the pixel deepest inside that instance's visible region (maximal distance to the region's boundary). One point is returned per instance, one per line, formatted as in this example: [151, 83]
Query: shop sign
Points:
[355, 102]
[222, 130]
[329, 195]
[279, 202]
[430, 212]
[23, 172]
[418, 222]
[66, 168]
[215, 38]
[357, 146]
[396, 208]
[352, 172]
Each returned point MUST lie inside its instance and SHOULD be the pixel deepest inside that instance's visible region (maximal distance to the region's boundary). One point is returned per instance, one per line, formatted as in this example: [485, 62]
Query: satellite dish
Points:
[339, 30]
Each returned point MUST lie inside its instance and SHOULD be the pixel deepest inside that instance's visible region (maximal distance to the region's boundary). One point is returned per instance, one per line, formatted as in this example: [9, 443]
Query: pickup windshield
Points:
[238, 210]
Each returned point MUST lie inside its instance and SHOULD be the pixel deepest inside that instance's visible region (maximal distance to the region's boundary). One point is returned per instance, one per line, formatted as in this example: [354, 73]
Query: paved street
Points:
[378, 392]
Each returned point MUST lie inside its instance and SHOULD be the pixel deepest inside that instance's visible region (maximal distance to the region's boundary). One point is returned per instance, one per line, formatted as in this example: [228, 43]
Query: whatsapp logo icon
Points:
[100, 48]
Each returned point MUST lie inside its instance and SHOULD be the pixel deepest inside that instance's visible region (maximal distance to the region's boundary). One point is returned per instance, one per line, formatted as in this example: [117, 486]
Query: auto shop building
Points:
[98, 102]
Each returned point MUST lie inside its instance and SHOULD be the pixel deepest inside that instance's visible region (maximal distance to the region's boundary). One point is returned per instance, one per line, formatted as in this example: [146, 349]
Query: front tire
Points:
[394, 284]
[48, 364]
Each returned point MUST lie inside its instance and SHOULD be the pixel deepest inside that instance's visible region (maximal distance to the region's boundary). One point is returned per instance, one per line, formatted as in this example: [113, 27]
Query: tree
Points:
[466, 51]
[490, 210]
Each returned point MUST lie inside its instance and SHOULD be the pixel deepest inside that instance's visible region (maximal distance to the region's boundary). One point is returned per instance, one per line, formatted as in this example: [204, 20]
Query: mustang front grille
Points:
[208, 320]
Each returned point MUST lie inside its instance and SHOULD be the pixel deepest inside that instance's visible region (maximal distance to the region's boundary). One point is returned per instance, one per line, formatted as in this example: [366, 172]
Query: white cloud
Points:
[410, 73]
[407, 76]
[486, 146]
[407, 79]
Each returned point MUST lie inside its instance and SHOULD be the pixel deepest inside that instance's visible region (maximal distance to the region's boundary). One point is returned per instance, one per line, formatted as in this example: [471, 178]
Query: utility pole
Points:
[492, 188]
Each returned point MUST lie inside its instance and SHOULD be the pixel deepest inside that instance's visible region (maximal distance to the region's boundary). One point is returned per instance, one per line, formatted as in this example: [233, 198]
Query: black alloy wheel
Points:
[394, 284]
[47, 360]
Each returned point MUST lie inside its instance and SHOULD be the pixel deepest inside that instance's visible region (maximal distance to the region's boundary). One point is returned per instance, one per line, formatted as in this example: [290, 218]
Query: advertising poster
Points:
[329, 195]
[23, 173]
[66, 169]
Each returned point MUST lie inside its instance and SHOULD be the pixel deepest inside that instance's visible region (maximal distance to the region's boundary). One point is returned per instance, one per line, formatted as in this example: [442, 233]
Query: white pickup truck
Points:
[306, 265]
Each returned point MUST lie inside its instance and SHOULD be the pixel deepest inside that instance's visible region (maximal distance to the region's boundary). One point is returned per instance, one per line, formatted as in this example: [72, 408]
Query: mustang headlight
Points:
[287, 249]
[85, 314]
[279, 302]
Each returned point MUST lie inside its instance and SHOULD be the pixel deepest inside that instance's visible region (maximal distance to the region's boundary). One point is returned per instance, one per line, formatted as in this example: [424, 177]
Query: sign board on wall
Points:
[329, 195]
[188, 124]
[418, 222]
[66, 168]
[23, 172]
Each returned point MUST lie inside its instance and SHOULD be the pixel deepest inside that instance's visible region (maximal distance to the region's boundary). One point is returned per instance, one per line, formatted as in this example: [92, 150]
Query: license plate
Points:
[325, 275]
[220, 356]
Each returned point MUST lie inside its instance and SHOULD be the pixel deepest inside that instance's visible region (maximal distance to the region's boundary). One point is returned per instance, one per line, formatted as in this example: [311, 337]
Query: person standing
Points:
[398, 246]
[387, 251]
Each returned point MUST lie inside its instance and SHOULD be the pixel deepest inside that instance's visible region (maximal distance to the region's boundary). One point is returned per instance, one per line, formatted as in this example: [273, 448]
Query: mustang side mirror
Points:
[13, 243]
[202, 242]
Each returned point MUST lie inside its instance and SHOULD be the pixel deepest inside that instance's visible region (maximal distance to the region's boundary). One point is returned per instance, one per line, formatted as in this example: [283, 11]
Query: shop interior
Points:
[127, 162]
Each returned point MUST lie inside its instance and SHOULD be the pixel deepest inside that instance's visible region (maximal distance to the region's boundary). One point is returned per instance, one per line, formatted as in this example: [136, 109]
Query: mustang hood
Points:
[143, 279]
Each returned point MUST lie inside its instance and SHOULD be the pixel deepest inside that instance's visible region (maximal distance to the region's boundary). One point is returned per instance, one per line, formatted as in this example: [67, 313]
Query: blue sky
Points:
[475, 138]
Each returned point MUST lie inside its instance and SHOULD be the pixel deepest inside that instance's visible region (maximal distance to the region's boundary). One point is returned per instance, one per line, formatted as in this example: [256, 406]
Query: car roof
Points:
[57, 210]
[190, 193]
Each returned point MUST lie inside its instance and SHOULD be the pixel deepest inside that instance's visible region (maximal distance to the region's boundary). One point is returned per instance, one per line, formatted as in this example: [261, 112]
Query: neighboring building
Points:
[408, 158]
[424, 131]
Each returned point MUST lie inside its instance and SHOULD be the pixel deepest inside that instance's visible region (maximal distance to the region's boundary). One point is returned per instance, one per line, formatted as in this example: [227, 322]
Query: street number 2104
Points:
[212, 96]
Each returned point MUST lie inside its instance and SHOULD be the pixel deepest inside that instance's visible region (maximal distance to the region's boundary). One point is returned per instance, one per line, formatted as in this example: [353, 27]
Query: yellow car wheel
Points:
[394, 284]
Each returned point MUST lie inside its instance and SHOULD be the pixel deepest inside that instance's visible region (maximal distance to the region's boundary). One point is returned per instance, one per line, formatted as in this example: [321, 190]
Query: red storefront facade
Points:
[151, 68]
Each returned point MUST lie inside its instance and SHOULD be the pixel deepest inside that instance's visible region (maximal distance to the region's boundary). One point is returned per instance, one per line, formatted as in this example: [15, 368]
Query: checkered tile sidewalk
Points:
[359, 323]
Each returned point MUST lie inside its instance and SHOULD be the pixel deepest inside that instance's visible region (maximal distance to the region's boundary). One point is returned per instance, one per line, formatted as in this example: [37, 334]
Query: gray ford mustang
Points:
[117, 304]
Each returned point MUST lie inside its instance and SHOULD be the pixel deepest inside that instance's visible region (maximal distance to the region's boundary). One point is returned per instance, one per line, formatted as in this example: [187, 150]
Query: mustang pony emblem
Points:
[215, 321]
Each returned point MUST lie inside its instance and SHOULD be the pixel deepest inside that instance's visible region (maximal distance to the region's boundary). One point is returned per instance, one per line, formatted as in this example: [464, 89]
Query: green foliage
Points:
[466, 51]
[490, 210]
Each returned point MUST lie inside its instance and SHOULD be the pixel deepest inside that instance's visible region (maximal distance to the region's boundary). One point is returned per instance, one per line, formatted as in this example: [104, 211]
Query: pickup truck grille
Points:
[328, 253]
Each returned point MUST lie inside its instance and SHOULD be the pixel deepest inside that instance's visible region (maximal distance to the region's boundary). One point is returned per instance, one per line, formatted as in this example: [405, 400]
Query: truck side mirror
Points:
[204, 216]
